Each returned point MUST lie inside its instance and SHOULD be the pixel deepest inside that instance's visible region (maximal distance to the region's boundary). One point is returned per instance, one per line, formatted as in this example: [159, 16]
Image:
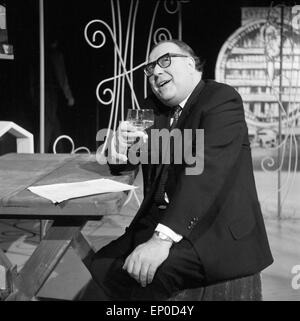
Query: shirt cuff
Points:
[166, 230]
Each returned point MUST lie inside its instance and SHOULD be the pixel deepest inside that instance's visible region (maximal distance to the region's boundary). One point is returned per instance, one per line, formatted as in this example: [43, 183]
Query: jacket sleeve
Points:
[224, 130]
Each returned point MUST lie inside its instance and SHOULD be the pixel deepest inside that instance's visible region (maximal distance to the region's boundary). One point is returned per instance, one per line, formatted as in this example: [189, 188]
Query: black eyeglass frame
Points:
[158, 62]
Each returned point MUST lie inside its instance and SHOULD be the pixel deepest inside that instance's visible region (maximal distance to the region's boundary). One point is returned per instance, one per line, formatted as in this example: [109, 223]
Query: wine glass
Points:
[140, 118]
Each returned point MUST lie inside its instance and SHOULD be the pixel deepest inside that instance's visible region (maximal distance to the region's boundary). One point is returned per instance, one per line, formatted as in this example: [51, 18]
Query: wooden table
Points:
[19, 171]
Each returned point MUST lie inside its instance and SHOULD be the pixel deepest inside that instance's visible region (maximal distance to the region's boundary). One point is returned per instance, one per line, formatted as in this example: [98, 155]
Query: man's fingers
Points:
[143, 262]
[150, 274]
[143, 274]
[126, 141]
[136, 271]
[126, 125]
[127, 136]
[136, 134]
[124, 267]
[130, 266]
[133, 135]
[126, 129]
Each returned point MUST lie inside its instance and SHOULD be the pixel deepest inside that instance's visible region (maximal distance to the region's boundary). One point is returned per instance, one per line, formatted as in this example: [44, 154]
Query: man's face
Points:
[173, 84]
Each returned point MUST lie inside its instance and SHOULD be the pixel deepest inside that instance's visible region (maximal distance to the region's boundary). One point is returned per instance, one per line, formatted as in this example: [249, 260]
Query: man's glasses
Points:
[163, 62]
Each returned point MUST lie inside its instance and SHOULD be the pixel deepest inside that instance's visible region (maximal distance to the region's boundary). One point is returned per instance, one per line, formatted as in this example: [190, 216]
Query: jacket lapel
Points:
[190, 104]
[164, 123]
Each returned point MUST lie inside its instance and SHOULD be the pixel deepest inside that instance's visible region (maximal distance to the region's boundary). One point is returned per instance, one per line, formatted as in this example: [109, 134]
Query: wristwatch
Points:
[163, 236]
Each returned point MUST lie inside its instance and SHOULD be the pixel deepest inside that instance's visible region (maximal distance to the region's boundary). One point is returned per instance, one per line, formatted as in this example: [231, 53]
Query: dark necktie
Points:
[176, 113]
[159, 196]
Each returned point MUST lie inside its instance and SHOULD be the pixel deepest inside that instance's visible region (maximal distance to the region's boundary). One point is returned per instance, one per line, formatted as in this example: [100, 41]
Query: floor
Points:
[284, 237]
[70, 278]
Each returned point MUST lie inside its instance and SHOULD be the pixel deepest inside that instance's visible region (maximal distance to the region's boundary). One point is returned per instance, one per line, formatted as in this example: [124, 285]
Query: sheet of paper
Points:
[60, 192]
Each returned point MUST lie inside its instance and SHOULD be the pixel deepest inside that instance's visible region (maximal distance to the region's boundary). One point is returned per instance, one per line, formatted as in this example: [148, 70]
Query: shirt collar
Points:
[182, 104]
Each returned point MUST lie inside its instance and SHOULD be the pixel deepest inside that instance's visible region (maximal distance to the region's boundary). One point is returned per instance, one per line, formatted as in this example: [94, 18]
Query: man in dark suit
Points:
[191, 230]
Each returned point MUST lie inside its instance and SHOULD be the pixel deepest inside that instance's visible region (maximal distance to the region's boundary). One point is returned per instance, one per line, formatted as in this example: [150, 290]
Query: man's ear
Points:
[191, 63]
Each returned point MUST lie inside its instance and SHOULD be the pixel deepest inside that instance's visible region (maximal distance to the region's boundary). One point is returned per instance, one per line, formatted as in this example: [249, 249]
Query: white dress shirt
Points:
[163, 228]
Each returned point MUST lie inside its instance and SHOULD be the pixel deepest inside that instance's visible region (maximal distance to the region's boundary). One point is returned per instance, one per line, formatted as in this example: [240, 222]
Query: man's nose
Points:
[157, 70]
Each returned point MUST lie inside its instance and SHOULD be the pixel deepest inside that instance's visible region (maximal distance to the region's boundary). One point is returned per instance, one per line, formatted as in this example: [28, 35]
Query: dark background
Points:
[206, 26]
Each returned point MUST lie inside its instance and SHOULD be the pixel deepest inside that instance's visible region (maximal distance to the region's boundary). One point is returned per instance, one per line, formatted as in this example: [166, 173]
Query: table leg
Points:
[45, 258]
[82, 247]
[4, 261]
[9, 275]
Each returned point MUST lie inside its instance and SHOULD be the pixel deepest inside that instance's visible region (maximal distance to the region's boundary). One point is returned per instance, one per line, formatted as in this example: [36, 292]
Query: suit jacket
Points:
[218, 210]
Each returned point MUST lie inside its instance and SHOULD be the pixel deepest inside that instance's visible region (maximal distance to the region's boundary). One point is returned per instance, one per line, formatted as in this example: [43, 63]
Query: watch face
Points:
[162, 236]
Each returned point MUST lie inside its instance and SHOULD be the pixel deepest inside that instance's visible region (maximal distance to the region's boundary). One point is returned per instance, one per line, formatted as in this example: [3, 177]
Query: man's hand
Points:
[128, 134]
[124, 138]
[143, 262]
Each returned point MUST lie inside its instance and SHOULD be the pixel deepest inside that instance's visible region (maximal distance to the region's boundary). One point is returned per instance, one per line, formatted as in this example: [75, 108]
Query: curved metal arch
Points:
[115, 96]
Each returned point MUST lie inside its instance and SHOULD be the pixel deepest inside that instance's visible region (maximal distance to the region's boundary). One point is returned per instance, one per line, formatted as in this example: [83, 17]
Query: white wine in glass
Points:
[141, 118]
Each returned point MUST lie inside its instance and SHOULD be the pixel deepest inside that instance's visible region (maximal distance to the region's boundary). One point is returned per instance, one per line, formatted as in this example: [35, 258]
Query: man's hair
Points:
[185, 48]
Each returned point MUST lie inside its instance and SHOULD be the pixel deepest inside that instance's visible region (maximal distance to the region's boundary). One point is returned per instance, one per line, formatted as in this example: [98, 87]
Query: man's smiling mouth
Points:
[163, 83]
